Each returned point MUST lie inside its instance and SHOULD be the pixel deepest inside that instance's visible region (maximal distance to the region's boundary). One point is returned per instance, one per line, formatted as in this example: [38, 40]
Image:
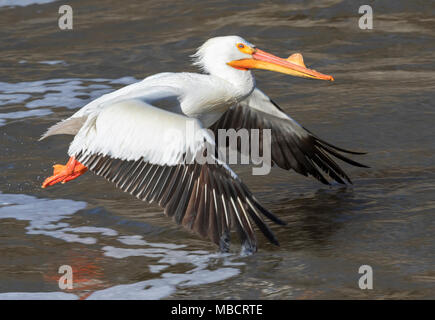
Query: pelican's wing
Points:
[163, 97]
[293, 146]
[143, 150]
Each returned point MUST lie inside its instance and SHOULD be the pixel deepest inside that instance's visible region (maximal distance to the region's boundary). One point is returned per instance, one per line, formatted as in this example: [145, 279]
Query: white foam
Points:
[156, 268]
[42, 215]
[124, 80]
[103, 231]
[16, 98]
[69, 93]
[138, 240]
[23, 114]
[168, 283]
[52, 62]
[164, 287]
[58, 92]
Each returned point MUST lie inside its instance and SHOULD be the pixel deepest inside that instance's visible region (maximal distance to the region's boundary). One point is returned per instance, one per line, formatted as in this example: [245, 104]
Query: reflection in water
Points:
[312, 220]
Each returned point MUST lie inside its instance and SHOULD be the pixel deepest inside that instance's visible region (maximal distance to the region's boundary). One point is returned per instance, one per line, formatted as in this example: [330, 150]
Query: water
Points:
[119, 247]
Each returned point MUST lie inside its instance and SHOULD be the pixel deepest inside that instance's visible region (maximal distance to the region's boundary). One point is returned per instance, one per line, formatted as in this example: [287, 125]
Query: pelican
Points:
[121, 136]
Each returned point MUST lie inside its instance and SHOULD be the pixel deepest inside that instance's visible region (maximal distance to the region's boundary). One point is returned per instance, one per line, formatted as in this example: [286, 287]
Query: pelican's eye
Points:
[245, 48]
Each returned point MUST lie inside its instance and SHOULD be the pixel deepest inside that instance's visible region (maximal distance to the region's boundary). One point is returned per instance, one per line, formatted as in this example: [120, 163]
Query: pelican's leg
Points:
[65, 173]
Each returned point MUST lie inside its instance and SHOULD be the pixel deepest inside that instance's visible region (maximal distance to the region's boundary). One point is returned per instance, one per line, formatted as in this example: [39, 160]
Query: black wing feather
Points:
[293, 146]
[197, 196]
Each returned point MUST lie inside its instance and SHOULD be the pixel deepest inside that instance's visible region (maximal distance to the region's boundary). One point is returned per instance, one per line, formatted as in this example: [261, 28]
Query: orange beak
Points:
[294, 65]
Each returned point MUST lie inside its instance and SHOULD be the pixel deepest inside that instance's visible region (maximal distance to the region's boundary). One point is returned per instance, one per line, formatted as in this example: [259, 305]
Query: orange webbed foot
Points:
[65, 173]
[58, 168]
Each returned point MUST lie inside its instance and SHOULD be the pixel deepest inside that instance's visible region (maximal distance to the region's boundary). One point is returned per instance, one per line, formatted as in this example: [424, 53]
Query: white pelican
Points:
[120, 136]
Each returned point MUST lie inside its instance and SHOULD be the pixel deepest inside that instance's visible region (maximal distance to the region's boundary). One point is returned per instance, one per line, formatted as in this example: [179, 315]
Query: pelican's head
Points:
[218, 54]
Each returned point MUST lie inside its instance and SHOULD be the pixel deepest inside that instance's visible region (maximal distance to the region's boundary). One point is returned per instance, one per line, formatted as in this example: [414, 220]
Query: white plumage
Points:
[140, 137]
[148, 119]
[133, 129]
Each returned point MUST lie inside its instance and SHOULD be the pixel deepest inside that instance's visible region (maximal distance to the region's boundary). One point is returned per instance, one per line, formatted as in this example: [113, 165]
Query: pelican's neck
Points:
[208, 96]
[241, 83]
